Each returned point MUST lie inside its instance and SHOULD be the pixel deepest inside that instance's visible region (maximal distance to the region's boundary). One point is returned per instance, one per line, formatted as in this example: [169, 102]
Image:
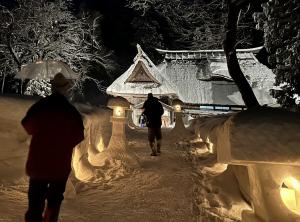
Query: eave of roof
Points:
[253, 50]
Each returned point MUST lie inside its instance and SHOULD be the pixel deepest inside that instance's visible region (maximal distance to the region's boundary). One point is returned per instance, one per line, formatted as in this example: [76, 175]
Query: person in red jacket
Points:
[56, 128]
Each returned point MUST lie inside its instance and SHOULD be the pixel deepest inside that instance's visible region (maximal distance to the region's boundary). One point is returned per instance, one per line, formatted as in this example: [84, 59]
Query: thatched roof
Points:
[201, 76]
[141, 78]
[194, 76]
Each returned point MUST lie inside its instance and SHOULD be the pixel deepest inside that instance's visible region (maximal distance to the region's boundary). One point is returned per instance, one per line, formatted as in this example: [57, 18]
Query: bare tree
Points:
[48, 30]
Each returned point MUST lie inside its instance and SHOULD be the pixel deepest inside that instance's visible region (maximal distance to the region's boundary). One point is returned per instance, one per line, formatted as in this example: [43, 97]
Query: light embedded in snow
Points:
[290, 194]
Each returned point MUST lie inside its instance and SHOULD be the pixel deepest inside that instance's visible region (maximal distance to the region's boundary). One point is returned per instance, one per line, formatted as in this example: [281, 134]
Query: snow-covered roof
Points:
[212, 53]
[194, 76]
[201, 76]
[140, 105]
[141, 78]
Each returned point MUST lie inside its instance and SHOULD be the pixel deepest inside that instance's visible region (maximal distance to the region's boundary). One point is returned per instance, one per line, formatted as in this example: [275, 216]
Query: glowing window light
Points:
[290, 195]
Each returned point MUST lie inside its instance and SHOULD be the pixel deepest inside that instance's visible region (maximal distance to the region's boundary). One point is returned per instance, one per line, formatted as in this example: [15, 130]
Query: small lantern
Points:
[177, 105]
[119, 105]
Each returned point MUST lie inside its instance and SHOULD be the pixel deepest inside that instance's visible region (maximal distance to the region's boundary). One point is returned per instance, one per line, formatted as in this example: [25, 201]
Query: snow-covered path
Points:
[161, 190]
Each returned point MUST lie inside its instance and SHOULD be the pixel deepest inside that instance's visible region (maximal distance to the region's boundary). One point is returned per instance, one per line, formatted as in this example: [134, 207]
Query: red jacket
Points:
[56, 128]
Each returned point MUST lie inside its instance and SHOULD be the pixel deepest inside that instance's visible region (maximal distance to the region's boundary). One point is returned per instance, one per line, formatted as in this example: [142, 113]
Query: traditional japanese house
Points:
[194, 77]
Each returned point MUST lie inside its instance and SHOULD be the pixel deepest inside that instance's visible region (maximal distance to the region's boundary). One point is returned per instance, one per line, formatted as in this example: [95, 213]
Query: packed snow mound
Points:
[101, 156]
[217, 196]
[208, 128]
[14, 139]
[263, 134]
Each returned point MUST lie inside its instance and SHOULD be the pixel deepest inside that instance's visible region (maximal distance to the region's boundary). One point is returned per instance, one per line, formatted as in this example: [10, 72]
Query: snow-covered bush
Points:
[38, 88]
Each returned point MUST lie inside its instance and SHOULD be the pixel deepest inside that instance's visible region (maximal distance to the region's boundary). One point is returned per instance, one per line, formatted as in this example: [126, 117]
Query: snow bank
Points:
[14, 139]
[262, 147]
[263, 135]
[101, 156]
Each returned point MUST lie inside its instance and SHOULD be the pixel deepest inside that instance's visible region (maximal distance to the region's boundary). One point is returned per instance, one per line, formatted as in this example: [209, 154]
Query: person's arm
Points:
[78, 127]
[161, 109]
[30, 121]
[144, 108]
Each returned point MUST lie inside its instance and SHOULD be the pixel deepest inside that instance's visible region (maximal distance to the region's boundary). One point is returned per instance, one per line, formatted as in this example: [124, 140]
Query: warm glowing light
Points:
[209, 145]
[290, 194]
[100, 145]
[177, 108]
[295, 183]
[119, 111]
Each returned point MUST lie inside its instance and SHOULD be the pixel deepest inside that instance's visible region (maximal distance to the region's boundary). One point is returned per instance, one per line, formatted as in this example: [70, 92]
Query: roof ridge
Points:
[253, 50]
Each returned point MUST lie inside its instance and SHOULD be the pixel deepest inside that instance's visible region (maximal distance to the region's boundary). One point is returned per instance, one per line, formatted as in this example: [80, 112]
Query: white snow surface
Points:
[184, 183]
[262, 135]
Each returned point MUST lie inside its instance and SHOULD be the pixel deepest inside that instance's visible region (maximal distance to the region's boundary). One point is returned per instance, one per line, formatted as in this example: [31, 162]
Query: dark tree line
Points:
[118, 25]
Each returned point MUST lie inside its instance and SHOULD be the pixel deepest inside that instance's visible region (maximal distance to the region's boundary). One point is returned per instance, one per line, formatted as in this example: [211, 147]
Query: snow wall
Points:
[15, 141]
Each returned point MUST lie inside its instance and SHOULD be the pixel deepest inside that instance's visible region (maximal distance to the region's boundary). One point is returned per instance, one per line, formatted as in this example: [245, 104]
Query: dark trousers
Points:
[41, 190]
[154, 134]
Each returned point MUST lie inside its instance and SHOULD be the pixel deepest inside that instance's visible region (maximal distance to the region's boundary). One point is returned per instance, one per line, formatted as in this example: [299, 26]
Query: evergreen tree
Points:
[280, 21]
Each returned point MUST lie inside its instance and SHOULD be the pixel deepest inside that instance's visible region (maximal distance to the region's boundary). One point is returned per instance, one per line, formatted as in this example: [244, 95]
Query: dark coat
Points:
[56, 128]
[153, 110]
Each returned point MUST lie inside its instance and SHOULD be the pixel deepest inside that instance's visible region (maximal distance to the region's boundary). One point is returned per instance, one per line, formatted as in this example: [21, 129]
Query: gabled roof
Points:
[141, 74]
[141, 78]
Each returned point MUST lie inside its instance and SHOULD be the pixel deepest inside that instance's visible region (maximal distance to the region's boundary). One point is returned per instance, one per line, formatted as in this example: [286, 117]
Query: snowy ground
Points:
[183, 184]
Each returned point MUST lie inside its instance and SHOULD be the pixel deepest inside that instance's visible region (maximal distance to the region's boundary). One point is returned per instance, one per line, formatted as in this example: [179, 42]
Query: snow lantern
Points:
[119, 105]
[179, 131]
[265, 140]
[177, 105]
[117, 152]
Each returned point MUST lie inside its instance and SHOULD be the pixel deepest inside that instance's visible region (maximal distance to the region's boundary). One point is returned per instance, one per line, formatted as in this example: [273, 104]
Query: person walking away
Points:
[56, 128]
[153, 111]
